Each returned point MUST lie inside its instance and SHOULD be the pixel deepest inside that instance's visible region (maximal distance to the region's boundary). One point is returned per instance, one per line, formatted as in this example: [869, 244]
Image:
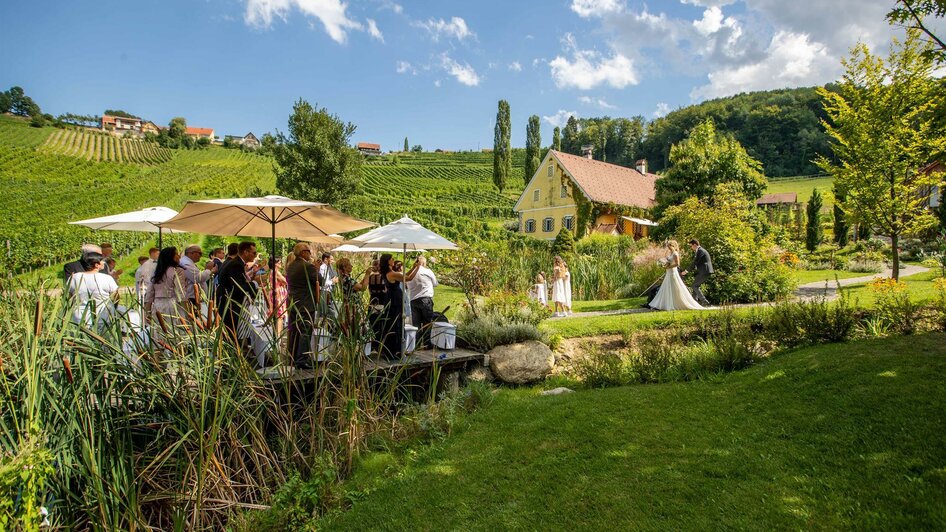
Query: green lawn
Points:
[448, 296]
[812, 276]
[607, 304]
[803, 187]
[920, 287]
[844, 436]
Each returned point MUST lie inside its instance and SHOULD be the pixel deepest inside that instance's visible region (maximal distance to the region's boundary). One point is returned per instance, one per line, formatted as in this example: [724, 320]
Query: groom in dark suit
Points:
[703, 265]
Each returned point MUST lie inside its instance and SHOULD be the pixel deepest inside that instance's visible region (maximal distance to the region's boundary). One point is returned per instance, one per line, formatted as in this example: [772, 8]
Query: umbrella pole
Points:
[159, 237]
[403, 310]
[272, 283]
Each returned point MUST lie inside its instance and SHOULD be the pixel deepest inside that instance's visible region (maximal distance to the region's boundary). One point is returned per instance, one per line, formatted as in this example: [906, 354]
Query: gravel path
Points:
[817, 289]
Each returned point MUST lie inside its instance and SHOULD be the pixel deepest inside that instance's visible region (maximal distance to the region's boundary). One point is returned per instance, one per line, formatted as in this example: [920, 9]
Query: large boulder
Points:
[521, 363]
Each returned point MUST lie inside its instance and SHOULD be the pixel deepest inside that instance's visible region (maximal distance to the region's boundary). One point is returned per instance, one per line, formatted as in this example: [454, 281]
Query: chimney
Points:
[641, 166]
[587, 150]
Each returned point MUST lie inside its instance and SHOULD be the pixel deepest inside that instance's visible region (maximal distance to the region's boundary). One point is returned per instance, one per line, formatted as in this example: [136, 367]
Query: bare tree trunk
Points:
[895, 244]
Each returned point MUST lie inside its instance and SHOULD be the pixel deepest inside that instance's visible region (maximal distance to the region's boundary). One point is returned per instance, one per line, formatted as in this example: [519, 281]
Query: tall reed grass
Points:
[180, 434]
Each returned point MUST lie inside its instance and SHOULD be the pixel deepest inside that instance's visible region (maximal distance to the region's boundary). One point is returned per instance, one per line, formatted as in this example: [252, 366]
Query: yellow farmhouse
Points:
[620, 197]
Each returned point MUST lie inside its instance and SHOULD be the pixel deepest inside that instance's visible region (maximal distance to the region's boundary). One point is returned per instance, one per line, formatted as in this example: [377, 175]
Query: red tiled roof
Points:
[775, 199]
[609, 183]
[200, 131]
[368, 146]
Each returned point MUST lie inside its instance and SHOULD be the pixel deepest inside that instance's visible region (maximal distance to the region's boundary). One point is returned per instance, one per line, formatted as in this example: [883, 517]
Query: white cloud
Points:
[587, 69]
[463, 73]
[403, 67]
[436, 83]
[560, 118]
[374, 31]
[331, 13]
[711, 22]
[393, 6]
[662, 110]
[456, 28]
[792, 60]
[592, 8]
[599, 102]
[515, 66]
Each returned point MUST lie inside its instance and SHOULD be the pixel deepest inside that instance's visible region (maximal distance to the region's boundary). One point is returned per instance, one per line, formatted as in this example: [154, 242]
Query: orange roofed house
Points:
[368, 148]
[200, 132]
[121, 124]
[615, 198]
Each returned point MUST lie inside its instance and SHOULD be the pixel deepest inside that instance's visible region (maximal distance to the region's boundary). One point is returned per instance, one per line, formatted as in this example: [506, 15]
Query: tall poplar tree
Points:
[882, 123]
[570, 137]
[533, 147]
[813, 231]
[841, 228]
[407, 147]
[557, 139]
[502, 152]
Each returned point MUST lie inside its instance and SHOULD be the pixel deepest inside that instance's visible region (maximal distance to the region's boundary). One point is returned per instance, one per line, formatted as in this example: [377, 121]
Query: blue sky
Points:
[429, 70]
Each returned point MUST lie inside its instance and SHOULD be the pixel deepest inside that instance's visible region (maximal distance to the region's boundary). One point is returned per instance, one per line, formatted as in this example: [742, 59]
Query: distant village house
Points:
[121, 124]
[367, 148]
[200, 133]
[248, 141]
[150, 127]
[780, 200]
[621, 197]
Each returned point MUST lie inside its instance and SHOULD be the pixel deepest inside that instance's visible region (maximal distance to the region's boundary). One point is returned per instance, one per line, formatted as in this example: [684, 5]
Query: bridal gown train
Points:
[673, 294]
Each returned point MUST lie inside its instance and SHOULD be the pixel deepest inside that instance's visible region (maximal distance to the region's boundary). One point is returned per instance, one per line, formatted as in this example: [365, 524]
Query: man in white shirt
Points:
[421, 288]
[327, 277]
[145, 272]
[196, 278]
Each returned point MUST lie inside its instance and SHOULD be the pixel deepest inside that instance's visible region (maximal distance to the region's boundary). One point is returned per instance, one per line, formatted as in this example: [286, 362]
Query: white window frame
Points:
[536, 194]
[548, 225]
[530, 225]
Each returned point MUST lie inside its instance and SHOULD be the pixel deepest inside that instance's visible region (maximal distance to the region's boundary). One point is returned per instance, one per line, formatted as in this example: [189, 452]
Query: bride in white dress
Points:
[673, 294]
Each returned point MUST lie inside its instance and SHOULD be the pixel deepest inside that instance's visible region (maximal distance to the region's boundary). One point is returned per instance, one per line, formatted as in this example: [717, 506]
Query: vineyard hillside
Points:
[96, 146]
[50, 183]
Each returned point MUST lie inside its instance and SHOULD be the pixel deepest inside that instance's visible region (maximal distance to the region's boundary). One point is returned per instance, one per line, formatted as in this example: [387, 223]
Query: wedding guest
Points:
[568, 288]
[76, 266]
[235, 287]
[377, 301]
[197, 279]
[145, 272]
[94, 291]
[421, 289]
[107, 254]
[539, 291]
[281, 293]
[392, 342]
[351, 301]
[408, 315]
[167, 294]
[558, 287]
[328, 276]
[304, 289]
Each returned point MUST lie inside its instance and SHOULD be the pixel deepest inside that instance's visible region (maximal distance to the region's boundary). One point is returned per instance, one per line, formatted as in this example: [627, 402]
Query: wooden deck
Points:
[412, 363]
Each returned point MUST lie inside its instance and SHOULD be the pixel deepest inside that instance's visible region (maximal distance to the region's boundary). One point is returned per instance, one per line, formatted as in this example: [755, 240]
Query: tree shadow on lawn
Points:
[823, 437]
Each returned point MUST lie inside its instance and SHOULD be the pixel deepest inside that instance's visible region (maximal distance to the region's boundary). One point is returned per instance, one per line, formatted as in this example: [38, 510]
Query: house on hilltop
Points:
[248, 141]
[200, 132]
[369, 149]
[121, 124]
[150, 127]
[615, 198]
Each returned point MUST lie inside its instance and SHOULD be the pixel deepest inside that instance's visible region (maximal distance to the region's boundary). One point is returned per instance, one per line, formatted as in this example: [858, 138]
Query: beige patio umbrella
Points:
[269, 216]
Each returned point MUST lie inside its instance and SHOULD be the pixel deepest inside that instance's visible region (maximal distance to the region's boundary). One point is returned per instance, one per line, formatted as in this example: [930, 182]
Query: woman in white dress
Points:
[558, 287]
[673, 294]
[568, 289]
[94, 291]
[167, 291]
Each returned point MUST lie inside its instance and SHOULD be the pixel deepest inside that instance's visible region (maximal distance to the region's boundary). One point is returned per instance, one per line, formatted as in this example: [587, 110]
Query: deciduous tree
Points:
[570, 141]
[557, 139]
[177, 127]
[314, 161]
[915, 14]
[533, 147]
[704, 160]
[502, 152]
[882, 123]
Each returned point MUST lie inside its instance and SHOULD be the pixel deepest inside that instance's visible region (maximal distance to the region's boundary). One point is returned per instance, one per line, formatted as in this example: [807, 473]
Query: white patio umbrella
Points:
[269, 216]
[148, 220]
[404, 234]
[350, 248]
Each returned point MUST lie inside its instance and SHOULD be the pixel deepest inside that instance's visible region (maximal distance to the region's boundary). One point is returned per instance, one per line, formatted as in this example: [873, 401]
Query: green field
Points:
[54, 176]
[803, 186]
[842, 436]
